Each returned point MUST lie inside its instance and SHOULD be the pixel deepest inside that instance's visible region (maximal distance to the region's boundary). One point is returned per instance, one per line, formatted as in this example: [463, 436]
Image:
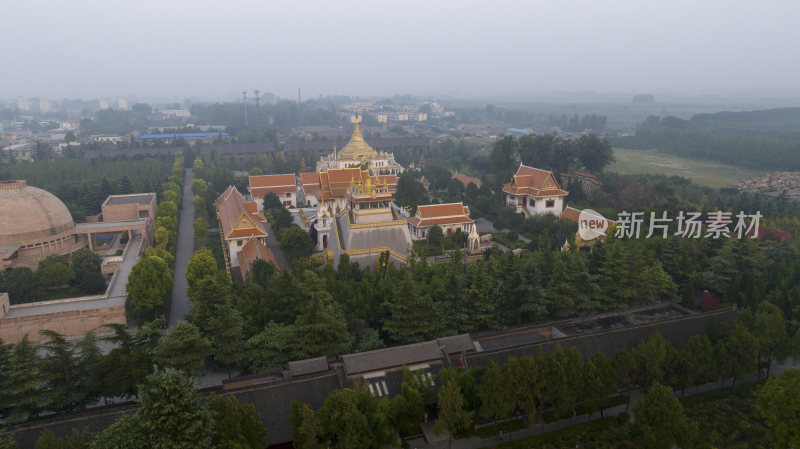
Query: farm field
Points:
[707, 173]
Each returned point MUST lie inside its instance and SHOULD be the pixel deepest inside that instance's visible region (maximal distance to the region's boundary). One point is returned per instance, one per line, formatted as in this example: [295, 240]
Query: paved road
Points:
[180, 299]
[272, 244]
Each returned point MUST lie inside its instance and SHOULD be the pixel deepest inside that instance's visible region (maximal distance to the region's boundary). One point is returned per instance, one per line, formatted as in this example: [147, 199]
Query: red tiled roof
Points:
[232, 206]
[535, 182]
[466, 180]
[261, 185]
[273, 180]
[441, 214]
[251, 251]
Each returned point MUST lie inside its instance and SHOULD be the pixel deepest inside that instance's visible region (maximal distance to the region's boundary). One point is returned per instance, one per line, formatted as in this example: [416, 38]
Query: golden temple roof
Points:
[357, 149]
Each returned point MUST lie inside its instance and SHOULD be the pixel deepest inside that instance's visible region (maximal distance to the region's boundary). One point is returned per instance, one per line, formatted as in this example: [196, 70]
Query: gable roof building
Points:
[239, 221]
[451, 217]
[467, 180]
[284, 186]
[534, 191]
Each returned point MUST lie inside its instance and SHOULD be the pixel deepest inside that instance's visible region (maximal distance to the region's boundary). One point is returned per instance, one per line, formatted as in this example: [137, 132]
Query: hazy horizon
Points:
[211, 50]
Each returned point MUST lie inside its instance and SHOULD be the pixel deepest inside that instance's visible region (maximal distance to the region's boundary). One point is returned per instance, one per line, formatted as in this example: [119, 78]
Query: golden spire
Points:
[357, 149]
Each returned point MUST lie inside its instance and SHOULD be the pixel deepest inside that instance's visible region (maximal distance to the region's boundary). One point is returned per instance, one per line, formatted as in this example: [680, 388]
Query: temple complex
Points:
[283, 186]
[533, 191]
[358, 153]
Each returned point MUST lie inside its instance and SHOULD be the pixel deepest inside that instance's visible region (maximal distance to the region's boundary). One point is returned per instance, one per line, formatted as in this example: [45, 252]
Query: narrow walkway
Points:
[275, 247]
[180, 299]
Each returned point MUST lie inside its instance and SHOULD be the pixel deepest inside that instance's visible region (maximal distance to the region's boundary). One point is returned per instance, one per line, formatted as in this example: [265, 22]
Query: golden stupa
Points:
[357, 149]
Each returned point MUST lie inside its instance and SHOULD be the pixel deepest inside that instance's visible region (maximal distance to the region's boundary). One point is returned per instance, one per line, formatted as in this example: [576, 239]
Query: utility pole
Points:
[244, 97]
[258, 107]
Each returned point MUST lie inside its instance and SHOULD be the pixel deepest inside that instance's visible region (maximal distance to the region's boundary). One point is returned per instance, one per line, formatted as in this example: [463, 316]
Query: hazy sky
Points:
[212, 49]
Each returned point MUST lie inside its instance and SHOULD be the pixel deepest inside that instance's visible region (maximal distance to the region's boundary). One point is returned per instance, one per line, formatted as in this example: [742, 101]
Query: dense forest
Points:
[83, 184]
[764, 140]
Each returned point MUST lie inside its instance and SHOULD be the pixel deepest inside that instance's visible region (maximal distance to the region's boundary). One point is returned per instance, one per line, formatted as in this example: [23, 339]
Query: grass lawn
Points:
[707, 173]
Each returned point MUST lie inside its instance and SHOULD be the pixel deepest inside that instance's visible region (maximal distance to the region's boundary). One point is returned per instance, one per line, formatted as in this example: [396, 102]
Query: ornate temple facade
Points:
[364, 224]
[534, 191]
[451, 217]
[358, 153]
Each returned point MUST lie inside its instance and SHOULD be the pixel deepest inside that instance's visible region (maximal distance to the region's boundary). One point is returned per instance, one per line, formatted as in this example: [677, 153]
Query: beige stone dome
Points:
[30, 215]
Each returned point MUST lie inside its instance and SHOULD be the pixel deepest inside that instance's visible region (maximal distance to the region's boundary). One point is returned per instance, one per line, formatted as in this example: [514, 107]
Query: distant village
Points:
[785, 183]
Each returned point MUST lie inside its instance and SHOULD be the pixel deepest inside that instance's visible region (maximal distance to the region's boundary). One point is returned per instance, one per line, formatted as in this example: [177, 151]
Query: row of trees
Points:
[560, 381]
[757, 152]
[170, 414]
[150, 282]
[81, 271]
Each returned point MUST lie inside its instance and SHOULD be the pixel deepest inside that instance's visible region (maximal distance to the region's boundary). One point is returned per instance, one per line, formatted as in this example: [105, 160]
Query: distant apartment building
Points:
[23, 104]
[21, 151]
[107, 138]
[358, 107]
[45, 106]
[122, 104]
[173, 113]
[104, 104]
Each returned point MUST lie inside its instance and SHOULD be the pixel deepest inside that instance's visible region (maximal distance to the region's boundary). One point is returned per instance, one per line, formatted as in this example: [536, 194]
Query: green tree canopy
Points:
[778, 403]
[660, 420]
[183, 348]
[149, 286]
[236, 425]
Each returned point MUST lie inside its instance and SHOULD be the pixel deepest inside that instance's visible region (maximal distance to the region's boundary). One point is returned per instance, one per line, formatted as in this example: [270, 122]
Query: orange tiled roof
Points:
[277, 184]
[535, 182]
[237, 216]
[251, 251]
[467, 179]
[449, 213]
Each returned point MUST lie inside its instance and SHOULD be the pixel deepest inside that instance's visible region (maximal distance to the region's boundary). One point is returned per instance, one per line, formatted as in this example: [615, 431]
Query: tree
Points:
[76, 440]
[408, 408]
[283, 220]
[272, 203]
[183, 348]
[343, 422]
[21, 284]
[227, 337]
[200, 228]
[306, 428]
[650, 356]
[697, 361]
[453, 419]
[149, 286]
[171, 415]
[504, 156]
[59, 368]
[201, 265]
[167, 209]
[296, 243]
[625, 367]
[593, 153]
[769, 328]
[199, 187]
[493, 392]
[524, 384]
[779, 402]
[84, 263]
[22, 381]
[269, 348]
[660, 420]
[435, 235]
[57, 274]
[600, 380]
[738, 352]
[412, 313]
[236, 425]
[320, 329]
